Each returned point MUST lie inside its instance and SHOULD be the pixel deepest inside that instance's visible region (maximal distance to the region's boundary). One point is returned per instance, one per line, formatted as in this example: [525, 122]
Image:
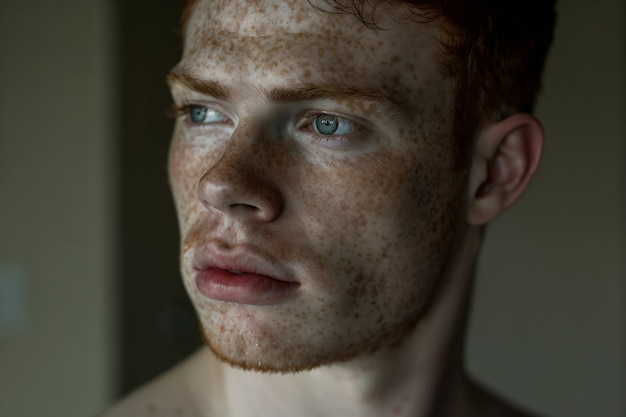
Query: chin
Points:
[269, 353]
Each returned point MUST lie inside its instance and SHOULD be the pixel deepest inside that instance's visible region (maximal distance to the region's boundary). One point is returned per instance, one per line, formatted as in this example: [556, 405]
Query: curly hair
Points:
[493, 51]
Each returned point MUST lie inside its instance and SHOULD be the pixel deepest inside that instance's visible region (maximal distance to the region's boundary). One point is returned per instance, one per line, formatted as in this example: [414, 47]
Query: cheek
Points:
[376, 216]
[374, 192]
[186, 165]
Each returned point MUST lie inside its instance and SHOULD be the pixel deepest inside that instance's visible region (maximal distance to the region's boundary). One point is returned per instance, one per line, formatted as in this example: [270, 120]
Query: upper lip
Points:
[239, 258]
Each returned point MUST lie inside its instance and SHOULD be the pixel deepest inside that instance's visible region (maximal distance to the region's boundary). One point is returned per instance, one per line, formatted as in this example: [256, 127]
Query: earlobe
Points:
[506, 157]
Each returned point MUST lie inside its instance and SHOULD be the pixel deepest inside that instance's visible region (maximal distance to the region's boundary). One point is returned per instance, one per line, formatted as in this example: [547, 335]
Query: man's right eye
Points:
[204, 115]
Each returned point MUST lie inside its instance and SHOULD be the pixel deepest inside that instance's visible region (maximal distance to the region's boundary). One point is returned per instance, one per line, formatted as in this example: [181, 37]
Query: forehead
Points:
[264, 17]
[277, 42]
[257, 18]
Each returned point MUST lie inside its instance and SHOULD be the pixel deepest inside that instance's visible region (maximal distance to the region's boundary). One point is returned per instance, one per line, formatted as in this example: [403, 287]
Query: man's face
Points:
[313, 173]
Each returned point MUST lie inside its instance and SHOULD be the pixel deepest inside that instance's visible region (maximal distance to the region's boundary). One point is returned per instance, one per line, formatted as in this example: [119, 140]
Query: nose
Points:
[238, 185]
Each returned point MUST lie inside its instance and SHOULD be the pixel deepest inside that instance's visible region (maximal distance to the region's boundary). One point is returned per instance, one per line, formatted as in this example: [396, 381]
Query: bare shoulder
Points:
[175, 393]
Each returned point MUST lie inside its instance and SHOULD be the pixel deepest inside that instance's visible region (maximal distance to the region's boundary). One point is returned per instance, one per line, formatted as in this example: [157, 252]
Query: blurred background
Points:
[91, 303]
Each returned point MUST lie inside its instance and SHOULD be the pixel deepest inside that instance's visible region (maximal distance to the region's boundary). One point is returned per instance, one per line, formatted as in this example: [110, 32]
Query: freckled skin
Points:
[365, 229]
[379, 225]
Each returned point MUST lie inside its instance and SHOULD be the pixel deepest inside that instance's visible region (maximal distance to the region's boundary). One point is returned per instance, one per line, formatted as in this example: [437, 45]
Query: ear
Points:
[506, 156]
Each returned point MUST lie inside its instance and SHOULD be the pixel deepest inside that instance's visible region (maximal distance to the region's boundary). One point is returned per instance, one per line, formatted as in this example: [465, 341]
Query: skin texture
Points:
[376, 229]
[364, 222]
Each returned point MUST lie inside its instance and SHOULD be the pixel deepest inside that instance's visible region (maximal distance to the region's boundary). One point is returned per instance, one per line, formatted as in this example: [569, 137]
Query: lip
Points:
[241, 275]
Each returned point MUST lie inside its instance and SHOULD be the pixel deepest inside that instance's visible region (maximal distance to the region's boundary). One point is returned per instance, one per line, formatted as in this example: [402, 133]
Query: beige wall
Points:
[56, 204]
[547, 323]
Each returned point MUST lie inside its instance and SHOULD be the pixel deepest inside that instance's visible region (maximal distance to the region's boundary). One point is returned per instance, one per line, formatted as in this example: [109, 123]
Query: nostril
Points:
[264, 213]
[244, 207]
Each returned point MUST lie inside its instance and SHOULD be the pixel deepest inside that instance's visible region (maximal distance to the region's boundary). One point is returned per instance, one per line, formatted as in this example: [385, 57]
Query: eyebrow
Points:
[306, 92]
[208, 87]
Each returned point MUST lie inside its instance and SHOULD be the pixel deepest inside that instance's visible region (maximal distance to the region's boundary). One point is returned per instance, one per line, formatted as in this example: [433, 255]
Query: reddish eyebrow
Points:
[336, 91]
[207, 87]
[306, 92]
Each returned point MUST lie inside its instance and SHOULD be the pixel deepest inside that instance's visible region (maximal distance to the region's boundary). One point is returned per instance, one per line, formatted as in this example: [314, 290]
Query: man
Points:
[333, 177]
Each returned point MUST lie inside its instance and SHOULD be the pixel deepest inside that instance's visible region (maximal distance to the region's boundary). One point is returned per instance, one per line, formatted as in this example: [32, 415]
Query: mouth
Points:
[243, 287]
[241, 276]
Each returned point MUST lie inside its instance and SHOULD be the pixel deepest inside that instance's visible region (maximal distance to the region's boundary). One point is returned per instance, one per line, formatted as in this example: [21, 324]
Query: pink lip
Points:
[241, 276]
[245, 288]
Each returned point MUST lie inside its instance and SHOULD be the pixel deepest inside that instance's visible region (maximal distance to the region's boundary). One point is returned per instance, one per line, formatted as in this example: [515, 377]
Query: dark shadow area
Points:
[158, 325]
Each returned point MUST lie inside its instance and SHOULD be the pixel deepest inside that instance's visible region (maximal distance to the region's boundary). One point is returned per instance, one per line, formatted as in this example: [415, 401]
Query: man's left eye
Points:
[330, 124]
[205, 115]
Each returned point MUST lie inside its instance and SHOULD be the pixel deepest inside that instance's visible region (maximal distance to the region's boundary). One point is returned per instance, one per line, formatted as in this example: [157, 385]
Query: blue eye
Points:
[330, 124]
[205, 115]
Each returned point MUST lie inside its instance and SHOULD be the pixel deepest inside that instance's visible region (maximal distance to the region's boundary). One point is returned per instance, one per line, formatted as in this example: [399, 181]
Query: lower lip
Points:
[219, 284]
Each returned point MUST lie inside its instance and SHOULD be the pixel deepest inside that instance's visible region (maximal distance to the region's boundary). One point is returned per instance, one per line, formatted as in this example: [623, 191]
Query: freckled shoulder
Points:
[173, 394]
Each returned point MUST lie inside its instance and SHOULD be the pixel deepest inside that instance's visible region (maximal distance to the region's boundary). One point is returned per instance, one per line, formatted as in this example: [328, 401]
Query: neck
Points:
[419, 377]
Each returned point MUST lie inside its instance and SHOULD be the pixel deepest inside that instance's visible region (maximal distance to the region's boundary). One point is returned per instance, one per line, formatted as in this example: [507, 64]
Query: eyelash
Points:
[307, 125]
[184, 110]
[177, 111]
